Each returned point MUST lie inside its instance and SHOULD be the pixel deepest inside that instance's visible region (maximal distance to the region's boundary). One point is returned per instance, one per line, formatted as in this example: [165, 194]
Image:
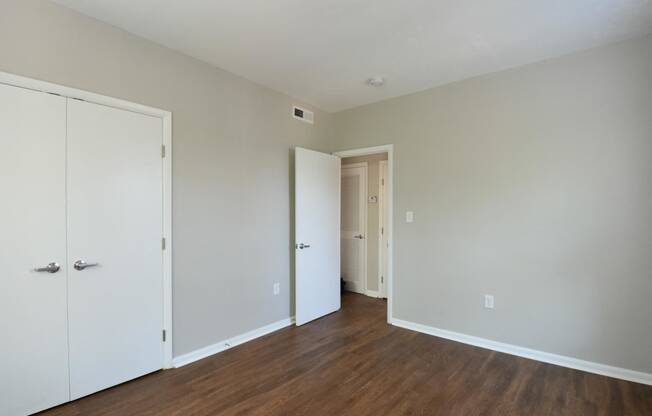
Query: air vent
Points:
[303, 114]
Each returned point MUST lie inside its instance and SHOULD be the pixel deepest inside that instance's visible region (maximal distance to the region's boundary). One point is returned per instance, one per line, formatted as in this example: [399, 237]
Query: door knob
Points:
[302, 246]
[50, 268]
[81, 265]
[359, 236]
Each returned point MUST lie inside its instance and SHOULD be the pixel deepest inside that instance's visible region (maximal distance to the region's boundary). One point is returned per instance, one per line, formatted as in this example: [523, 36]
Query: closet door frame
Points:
[166, 154]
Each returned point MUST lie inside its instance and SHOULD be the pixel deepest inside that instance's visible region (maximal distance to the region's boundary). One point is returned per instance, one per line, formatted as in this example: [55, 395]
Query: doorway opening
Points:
[365, 226]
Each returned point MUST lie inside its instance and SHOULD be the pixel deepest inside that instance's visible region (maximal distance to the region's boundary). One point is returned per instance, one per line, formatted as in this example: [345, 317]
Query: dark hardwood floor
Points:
[353, 363]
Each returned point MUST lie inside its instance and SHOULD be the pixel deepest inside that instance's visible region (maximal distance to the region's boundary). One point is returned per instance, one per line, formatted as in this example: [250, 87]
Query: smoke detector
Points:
[376, 82]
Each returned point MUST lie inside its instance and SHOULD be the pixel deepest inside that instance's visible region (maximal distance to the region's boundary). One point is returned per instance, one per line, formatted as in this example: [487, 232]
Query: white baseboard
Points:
[353, 287]
[577, 364]
[196, 355]
[372, 293]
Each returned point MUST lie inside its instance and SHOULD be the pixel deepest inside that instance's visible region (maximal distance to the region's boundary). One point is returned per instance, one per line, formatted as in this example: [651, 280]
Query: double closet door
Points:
[81, 272]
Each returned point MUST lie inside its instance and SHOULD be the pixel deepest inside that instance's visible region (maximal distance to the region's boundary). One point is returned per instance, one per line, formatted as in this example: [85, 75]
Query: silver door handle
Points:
[359, 236]
[50, 268]
[81, 265]
[302, 246]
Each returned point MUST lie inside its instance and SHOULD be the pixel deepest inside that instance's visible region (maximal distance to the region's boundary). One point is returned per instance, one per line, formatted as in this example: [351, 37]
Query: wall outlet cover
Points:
[409, 216]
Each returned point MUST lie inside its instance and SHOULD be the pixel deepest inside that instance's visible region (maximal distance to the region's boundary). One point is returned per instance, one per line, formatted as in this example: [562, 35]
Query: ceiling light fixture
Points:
[376, 82]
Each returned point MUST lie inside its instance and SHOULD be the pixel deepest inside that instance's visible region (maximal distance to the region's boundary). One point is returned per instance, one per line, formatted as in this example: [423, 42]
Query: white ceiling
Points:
[323, 51]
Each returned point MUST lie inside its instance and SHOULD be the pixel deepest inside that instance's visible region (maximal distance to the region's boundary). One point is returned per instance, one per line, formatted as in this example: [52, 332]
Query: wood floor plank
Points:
[353, 363]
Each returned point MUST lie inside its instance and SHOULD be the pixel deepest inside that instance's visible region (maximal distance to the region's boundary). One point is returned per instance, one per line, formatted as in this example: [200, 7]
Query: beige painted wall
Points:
[531, 184]
[231, 163]
[373, 189]
[534, 185]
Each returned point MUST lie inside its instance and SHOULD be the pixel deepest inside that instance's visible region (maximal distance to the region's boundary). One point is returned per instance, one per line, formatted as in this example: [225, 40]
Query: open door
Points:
[317, 234]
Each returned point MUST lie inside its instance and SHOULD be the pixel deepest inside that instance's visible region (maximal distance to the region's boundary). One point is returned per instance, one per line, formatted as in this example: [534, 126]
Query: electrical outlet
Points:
[277, 288]
[489, 301]
[409, 216]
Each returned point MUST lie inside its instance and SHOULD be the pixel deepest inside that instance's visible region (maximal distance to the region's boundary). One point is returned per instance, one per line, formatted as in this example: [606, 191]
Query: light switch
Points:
[409, 216]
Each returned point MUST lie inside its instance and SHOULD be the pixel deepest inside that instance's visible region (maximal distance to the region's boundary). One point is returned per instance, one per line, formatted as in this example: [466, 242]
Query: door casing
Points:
[389, 192]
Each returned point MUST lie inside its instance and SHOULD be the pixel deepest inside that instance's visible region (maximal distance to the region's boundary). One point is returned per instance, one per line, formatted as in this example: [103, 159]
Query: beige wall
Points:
[534, 185]
[231, 174]
[531, 184]
[373, 189]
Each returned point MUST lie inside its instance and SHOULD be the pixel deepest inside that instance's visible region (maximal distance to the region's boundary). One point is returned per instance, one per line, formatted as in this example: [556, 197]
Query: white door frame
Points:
[382, 225]
[363, 199]
[389, 149]
[166, 119]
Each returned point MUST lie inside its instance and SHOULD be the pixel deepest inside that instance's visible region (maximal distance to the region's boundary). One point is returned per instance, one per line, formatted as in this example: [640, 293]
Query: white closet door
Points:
[115, 227]
[33, 329]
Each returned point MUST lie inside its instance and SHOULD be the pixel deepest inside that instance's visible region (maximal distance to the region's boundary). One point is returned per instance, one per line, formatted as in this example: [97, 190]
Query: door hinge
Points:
[382, 279]
[382, 230]
[383, 182]
[164, 335]
[162, 150]
[163, 243]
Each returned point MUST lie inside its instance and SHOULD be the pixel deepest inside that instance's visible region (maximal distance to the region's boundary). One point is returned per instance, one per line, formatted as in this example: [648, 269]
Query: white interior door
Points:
[354, 227]
[382, 233]
[115, 226]
[317, 229]
[33, 328]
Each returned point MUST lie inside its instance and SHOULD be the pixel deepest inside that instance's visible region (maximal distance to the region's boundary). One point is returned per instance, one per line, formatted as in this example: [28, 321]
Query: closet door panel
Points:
[114, 227]
[33, 328]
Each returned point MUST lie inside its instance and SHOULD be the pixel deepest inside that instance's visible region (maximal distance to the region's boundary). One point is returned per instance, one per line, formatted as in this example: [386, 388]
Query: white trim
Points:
[365, 151]
[389, 149]
[355, 165]
[364, 210]
[33, 84]
[546, 357]
[372, 293]
[166, 118]
[224, 345]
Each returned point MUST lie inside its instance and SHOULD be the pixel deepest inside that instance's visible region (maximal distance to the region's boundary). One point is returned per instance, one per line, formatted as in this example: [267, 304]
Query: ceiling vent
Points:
[303, 114]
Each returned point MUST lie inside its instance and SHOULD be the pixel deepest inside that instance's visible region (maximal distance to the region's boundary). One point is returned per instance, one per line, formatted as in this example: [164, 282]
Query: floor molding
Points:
[372, 293]
[577, 364]
[197, 355]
